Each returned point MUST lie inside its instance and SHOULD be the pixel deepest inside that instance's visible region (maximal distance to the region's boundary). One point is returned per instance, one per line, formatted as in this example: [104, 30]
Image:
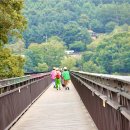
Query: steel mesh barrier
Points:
[107, 115]
[16, 101]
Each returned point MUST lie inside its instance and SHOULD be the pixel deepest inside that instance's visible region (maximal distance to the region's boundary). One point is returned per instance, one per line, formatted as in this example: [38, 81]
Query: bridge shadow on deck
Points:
[56, 110]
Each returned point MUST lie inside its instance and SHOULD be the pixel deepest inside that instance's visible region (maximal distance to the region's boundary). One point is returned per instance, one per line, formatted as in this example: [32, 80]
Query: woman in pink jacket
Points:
[53, 76]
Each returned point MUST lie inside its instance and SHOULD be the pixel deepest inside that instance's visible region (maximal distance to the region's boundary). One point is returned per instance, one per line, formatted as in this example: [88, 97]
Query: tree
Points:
[12, 22]
[41, 67]
[71, 19]
[33, 57]
[116, 58]
[10, 65]
[17, 48]
[54, 52]
[68, 62]
[113, 14]
[77, 46]
[111, 52]
[92, 68]
[97, 26]
[87, 56]
[56, 18]
[50, 53]
[109, 27]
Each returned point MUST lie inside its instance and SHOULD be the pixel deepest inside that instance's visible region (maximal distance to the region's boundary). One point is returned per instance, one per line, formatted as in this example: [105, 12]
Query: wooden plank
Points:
[57, 110]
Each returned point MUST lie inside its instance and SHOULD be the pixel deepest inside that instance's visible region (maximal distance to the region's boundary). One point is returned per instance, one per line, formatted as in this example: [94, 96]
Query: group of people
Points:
[60, 77]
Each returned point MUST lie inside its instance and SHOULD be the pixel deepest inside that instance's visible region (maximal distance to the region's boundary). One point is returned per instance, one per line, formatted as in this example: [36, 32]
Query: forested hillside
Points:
[70, 19]
[109, 53]
[57, 25]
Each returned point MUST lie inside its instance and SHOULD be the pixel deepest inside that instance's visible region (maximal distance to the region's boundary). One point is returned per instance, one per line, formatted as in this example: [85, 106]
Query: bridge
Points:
[94, 102]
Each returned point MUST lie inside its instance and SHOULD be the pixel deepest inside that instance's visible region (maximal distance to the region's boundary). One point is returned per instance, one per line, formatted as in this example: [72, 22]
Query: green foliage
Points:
[71, 19]
[77, 46]
[93, 68]
[68, 62]
[55, 39]
[56, 18]
[10, 65]
[110, 26]
[73, 33]
[98, 2]
[97, 26]
[87, 56]
[111, 52]
[17, 48]
[33, 57]
[12, 22]
[117, 13]
[44, 56]
[53, 53]
[55, 23]
[41, 67]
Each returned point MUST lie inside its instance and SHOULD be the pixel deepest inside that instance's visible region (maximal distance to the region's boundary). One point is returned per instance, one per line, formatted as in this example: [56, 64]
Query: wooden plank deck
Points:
[56, 110]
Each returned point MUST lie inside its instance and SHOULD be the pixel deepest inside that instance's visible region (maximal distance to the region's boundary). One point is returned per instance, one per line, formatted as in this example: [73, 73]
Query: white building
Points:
[69, 52]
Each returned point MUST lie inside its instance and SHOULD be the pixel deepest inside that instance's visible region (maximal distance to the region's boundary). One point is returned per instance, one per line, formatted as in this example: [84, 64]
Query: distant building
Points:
[69, 52]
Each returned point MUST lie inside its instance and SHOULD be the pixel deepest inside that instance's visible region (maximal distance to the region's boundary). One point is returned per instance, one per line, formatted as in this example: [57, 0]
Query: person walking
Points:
[58, 79]
[66, 77]
[53, 76]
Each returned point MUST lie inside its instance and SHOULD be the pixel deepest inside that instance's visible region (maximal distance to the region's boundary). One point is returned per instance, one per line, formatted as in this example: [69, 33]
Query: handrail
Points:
[106, 97]
[19, 95]
[125, 79]
[13, 83]
[15, 80]
[115, 81]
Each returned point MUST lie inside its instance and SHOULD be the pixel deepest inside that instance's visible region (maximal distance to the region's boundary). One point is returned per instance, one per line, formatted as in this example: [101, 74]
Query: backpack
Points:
[57, 75]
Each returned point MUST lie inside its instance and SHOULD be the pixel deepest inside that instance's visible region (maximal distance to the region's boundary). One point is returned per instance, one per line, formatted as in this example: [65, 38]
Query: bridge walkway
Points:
[56, 110]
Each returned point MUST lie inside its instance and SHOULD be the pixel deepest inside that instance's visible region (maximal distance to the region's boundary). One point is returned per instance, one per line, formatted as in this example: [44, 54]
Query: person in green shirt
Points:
[66, 77]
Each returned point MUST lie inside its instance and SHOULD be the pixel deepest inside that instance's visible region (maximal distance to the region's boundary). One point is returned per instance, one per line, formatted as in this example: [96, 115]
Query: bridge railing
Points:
[106, 97]
[18, 95]
[10, 81]
[7, 84]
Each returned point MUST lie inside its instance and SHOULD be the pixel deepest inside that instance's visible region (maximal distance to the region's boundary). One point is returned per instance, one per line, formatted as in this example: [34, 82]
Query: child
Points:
[58, 79]
[53, 75]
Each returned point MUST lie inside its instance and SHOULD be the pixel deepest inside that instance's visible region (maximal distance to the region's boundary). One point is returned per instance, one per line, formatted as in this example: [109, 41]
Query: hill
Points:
[71, 19]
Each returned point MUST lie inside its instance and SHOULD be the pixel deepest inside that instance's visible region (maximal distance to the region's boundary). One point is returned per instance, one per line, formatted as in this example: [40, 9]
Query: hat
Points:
[54, 68]
[65, 68]
[57, 69]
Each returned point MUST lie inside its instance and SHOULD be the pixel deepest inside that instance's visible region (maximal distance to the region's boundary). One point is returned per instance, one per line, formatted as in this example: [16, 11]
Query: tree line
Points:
[71, 20]
[54, 26]
[12, 23]
[109, 53]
